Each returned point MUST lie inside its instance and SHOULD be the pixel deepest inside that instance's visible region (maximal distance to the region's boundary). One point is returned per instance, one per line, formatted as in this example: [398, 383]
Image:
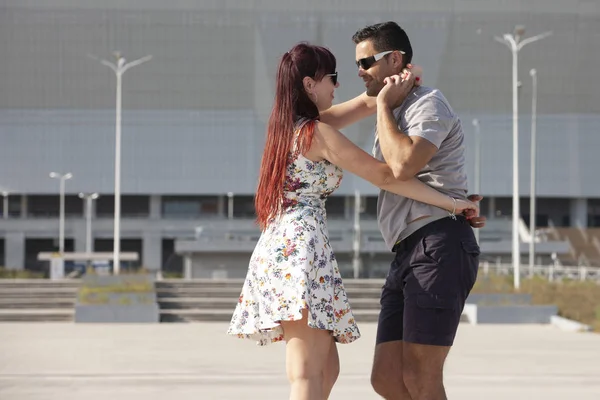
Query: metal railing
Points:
[552, 272]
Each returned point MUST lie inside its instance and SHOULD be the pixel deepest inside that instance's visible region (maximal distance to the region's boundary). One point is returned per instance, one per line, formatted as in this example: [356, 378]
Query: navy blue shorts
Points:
[432, 274]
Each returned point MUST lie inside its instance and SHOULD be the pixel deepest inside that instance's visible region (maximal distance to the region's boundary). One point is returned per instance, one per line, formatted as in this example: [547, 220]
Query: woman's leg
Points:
[331, 370]
[307, 353]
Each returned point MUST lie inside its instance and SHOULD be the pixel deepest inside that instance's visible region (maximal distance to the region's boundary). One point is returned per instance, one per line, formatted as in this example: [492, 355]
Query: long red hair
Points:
[291, 104]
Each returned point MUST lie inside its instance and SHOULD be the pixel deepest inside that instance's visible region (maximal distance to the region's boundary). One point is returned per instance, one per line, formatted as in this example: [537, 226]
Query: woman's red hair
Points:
[291, 103]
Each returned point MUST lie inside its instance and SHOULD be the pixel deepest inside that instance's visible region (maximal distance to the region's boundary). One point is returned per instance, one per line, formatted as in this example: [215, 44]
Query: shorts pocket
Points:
[437, 315]
[426, 300]
[431, 250]
[470, 264]
[471, 248]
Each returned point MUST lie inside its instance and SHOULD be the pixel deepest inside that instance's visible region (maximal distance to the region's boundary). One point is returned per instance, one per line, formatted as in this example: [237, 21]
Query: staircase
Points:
[33, 300]
[37, 300]
[215, 300]
[582, 243]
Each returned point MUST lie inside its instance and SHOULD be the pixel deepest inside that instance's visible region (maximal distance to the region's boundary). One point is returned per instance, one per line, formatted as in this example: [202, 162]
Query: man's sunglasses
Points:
[367, 62]
[334, 77]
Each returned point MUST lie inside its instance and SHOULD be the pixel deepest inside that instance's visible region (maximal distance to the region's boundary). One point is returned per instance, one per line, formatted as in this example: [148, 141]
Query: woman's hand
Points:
[465, 207]
[415, 70]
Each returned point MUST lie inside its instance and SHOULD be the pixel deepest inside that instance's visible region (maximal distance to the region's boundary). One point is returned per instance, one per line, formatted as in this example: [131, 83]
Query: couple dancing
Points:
[293, 291]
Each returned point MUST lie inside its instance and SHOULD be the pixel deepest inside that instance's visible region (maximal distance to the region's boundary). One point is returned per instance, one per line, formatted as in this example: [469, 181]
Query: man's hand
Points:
[396, 90]
[475, 220]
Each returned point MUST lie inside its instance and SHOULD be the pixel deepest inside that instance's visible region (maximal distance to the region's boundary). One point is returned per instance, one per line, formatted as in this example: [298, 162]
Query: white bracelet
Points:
[453, 213]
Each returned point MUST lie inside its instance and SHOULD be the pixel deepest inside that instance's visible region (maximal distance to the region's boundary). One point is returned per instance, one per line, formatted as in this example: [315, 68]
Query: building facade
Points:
[194, 118]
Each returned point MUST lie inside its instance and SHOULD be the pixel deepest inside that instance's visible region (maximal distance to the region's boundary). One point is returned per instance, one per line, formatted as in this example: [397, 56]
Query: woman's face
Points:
[322, 92]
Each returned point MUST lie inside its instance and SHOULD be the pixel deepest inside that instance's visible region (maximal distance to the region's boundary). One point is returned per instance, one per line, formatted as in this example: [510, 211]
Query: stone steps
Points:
[180, 301]
[212, 315]
[349, 284]
[45, 293]
[208, 292]
[46, 315]
[37, 300]
[208, 300]
[229, 303]
[38, 283]
[37, 303]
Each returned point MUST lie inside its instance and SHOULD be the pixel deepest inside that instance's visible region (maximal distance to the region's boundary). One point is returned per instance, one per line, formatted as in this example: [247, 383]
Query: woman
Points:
[293, 291]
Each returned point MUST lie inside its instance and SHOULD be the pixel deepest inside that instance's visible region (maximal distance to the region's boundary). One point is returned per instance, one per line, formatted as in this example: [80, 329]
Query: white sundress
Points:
[293, 266]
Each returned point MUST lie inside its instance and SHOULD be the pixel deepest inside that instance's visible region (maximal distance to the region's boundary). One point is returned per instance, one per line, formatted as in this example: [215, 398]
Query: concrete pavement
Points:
[52, 361]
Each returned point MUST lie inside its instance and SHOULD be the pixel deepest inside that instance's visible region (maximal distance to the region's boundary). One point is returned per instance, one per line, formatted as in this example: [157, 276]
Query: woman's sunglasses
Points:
[334, 77]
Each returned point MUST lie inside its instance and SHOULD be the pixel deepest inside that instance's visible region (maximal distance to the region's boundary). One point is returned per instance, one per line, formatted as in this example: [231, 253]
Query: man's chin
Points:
[373, 89]
[373, 92]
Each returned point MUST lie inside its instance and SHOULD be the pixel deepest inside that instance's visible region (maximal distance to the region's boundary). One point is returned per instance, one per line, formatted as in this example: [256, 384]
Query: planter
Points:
[117, 299]
[506, 308]
[499, 299]
[516, 314]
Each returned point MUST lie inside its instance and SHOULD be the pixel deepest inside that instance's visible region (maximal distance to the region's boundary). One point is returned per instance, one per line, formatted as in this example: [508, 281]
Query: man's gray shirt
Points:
[425, 113]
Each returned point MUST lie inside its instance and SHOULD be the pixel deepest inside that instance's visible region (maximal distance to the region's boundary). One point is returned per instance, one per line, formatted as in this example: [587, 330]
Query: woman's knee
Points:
[305, 367]
[307, 352]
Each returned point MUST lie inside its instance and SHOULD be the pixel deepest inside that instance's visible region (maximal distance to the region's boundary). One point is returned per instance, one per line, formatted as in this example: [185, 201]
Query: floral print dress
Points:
[293, 266]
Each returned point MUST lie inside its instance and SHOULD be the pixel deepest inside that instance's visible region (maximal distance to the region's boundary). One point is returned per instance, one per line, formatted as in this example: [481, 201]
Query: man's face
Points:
[373, 72]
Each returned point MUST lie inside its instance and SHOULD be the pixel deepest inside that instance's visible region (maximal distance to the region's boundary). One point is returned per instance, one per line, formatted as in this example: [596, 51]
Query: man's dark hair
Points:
[386, 36]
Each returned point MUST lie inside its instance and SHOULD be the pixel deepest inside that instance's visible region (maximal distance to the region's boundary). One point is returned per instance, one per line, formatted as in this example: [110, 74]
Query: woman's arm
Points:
[333, 146]
[362, 106]
[349, 112]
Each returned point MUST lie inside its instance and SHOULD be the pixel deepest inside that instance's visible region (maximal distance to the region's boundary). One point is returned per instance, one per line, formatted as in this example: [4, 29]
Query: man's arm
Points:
[429, 124]
[406, 155]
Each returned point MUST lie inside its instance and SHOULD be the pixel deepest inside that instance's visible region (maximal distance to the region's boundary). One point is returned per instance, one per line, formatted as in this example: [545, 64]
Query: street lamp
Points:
[5, 204]
[88, 198]
[61, 224]
[229, 205]
[532, 211]
[119, 69]
[356, 238]
[515, 43]
[477, 164]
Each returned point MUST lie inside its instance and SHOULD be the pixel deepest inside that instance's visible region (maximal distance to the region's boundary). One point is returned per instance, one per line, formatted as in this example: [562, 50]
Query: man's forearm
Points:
[394, 145]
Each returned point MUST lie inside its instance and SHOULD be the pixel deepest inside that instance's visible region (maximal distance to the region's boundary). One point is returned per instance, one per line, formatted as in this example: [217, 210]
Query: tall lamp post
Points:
[477, 164]
[532, 211]
[61, 223]
[515, 43]
[88, 198]
[119, 69]
[356, 239]
[230, 205]
[5, 204]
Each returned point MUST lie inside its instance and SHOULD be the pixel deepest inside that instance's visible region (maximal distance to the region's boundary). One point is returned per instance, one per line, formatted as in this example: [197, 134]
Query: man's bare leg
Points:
[386, 375]
[423, 371]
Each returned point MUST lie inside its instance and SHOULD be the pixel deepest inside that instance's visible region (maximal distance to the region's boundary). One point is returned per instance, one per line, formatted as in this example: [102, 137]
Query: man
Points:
[436, 255]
